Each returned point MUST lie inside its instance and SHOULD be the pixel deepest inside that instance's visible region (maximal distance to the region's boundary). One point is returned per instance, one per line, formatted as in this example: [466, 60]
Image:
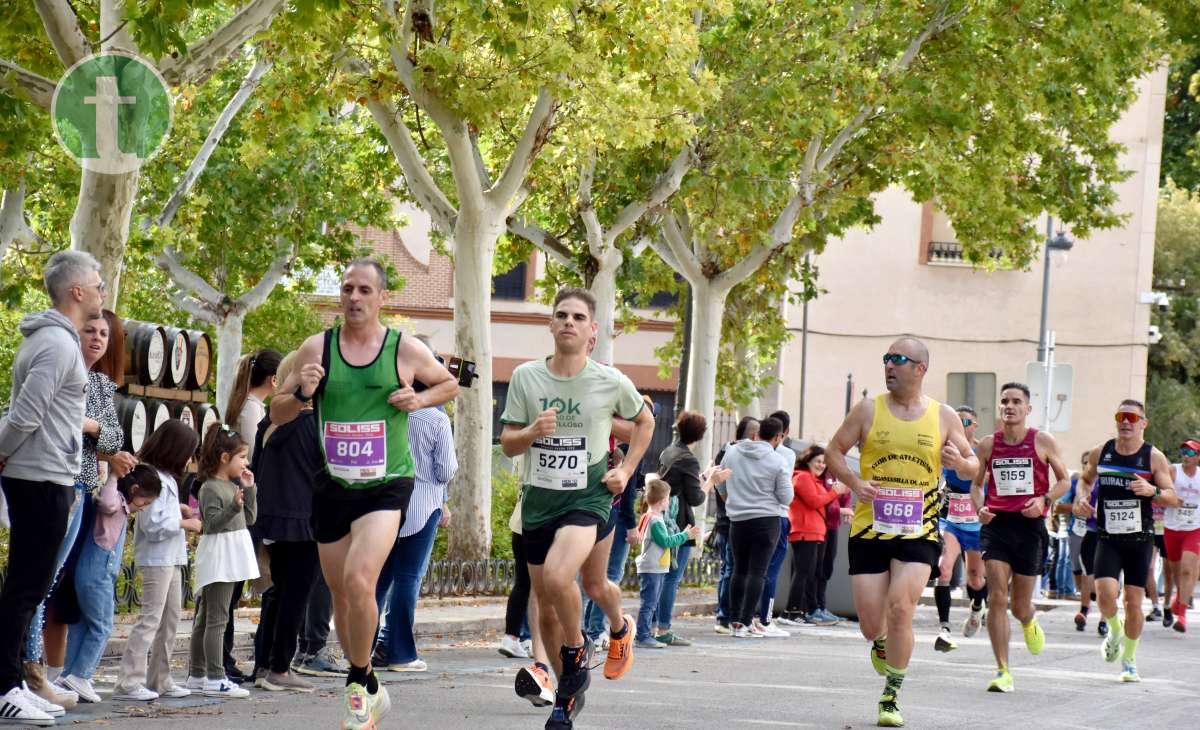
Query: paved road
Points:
[819, 678]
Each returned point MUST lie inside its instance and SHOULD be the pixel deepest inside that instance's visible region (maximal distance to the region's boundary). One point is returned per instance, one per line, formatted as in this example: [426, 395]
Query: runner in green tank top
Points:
[361, 376]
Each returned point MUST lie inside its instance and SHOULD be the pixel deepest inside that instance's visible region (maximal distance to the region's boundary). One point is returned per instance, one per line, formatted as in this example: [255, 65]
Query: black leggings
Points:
[828, 556]
[753, 543]
[805, 565]
[518, 599]
[293, 570]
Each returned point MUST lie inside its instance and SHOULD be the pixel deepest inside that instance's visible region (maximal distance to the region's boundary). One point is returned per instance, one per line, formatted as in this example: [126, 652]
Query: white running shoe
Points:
[16, 708]
[527, 645]
[785, 621]
[738, 631]
[43, 704]
[363, 709]
[175, 692]
[511, 648]
[416, 665]
[771, 631]
[224, 688]
[756, 630]
[138, 693]
[971, 625]
[81, 687]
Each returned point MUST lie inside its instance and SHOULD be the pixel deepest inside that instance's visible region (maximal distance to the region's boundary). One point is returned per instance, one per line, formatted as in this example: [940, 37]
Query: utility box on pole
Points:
[1062, 381]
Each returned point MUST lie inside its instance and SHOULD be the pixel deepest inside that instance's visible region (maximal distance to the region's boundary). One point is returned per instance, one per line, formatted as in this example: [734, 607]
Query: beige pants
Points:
[154, 632]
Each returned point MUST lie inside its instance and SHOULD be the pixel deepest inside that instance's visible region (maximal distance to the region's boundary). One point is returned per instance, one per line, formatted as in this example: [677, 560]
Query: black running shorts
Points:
[538, 539]
[1131, 557]
[334, 510]
[874, 556]
[1020, 541]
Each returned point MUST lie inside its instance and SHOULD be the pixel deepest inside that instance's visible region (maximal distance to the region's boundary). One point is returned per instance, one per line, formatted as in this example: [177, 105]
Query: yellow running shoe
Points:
[363, 709]
[878, 655]
[1129, 672]
[1035, 638]
[889, 712]
[1002, 682]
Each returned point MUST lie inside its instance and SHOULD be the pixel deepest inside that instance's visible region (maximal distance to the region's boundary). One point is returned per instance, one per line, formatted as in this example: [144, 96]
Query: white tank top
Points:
[1186, 517]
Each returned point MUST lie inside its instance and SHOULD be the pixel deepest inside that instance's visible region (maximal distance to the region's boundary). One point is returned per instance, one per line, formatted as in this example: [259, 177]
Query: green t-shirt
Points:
[562, 472]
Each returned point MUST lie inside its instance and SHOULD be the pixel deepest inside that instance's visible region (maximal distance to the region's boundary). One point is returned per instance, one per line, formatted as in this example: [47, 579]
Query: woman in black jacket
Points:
[678, 466]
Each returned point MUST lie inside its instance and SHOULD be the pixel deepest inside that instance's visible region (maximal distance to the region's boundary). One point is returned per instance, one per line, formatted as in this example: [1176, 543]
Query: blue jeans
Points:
[1063, 577]
[666, 600]
[724, 550]
[593, 615]
[781, 548]
[651, 594]
[397, 591]
[33, 635]
[95, 586]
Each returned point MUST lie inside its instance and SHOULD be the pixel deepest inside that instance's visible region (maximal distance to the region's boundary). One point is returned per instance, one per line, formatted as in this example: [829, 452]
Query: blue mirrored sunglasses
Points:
[897, 359]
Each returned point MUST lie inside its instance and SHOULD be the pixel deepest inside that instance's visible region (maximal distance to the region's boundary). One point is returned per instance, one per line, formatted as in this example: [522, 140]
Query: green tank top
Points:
[363, 437]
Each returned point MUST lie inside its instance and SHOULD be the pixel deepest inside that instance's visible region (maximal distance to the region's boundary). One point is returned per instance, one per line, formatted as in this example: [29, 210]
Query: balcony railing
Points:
[951, 253]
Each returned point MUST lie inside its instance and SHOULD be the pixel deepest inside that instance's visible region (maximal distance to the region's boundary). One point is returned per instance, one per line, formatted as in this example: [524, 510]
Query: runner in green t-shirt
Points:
[360, 374]
[559, 413]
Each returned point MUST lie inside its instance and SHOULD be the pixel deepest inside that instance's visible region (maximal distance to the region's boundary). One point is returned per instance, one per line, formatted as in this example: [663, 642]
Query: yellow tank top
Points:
[905, 457]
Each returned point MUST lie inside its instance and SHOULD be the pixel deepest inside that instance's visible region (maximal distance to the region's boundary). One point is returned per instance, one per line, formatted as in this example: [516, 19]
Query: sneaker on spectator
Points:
[756, 630]
[323, 664]
[416, 665]
[771, 631]
[672, 639]
[136, 694]
[510, 647]
[821, 618]
[224, 688]
[786, 619]
[649, 644]
[18, 707]
[287, 682]
[43, 704]
[175, 692]
[739, 631]
[196, 684]
[299, 659]
[722, 629]
[81, 687]
[527, 645]
[37, 684]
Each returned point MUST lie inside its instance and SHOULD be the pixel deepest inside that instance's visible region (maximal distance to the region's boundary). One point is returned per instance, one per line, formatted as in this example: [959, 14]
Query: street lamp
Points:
[1053, 243]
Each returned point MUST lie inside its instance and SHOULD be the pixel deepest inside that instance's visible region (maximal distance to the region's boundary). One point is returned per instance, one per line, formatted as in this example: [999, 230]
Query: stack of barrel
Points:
[166, 371]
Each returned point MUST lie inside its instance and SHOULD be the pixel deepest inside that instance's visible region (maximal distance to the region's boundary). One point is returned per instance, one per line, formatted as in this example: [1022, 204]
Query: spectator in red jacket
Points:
[837, 513]
[807, 536]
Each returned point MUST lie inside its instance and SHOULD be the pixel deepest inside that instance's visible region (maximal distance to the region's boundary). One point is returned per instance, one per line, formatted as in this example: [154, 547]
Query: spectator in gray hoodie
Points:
[759, 488]
[40, 454]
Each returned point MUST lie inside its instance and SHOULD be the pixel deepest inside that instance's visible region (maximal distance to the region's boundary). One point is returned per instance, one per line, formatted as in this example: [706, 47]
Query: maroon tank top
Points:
[1015, 473]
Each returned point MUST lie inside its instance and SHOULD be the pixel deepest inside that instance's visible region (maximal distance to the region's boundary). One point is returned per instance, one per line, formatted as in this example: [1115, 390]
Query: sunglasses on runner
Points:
[967, 423]
[897, 359]
[1187, 452]
[1127, 417]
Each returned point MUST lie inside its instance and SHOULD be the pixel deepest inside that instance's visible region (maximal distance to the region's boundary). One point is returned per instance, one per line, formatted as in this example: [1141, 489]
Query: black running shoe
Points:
[1080, 621]
[562, 717]
[1168, 618]
[1102, 628]
[575, 678]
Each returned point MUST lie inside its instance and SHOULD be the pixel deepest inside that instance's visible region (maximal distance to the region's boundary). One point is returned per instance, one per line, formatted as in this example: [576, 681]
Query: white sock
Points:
[53, 673]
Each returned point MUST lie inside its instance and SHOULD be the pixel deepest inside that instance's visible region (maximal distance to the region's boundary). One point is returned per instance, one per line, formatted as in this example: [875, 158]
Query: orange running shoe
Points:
[620, 652]
[533, 684]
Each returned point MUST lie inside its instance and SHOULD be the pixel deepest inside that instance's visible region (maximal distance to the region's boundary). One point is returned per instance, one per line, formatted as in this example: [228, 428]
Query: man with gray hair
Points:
[40, 449]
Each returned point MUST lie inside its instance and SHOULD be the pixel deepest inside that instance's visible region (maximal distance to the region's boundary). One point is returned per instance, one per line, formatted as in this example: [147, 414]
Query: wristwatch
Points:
[300, 396]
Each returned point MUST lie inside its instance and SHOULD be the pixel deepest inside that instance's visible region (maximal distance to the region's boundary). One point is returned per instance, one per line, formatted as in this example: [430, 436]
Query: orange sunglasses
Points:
[1127, 417]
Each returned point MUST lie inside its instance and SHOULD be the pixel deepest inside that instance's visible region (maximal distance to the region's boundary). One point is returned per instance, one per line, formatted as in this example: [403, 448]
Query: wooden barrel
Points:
[182, 410]
[206, 415]
[201, 371]
[131, 412]
[145, 352]
[157, 413]
[179, 358]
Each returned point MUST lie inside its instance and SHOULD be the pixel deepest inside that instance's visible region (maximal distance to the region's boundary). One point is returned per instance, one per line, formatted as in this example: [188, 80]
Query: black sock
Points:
[620, 634]
[983, 594]
[941, 595]
[359, 675]
[1092, 595]
[1084, 609]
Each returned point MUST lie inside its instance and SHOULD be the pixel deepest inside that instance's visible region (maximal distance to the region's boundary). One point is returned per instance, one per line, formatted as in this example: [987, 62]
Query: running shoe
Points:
[224, 689]
[1002, 682]
[196, 684]
[1180, 619]
[1168, 617]
[889, 712]
[722, 629]
[757, 630]
[363, 709]
[16, 707]
[576, 663]
[42, 703]
[1155, 615]
[942, 643]
[286, 682]
[739, 631]
[562, 717]
[821, 618]
[322, 664]
[771, 631]
[527, 645]
[1080, 621]
[416, 665]
[785, 620]
[533, 684]
[1102, 628]
[1035, 638]
[972, 623]
[511, 647]
[878, 654]
[620, 651]
[80, 686]
[1110, 649]
[175, 692]
[1129, 672]
[649, 644]
[137, 693]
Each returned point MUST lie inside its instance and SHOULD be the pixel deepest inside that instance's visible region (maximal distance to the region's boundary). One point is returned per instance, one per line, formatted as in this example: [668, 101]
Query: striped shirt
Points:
[434, 464]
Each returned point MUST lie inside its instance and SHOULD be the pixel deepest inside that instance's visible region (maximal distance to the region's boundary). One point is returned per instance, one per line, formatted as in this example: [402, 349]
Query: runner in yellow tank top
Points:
[905, 439]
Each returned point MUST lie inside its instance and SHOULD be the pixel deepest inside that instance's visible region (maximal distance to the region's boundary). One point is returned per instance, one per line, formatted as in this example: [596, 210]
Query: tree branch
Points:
[206, 55]
[679, 249]
[23, 83]
[62, 28]
[485, 178]
[596, 240]
[169, 261]
[537, 130]
[667, 185]
[188, 181]
[416, 174]
[193, 306]
[260, 291]
[544, 240]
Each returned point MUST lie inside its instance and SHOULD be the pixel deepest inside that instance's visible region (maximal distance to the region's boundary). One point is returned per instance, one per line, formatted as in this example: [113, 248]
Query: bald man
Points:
[905, 439]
